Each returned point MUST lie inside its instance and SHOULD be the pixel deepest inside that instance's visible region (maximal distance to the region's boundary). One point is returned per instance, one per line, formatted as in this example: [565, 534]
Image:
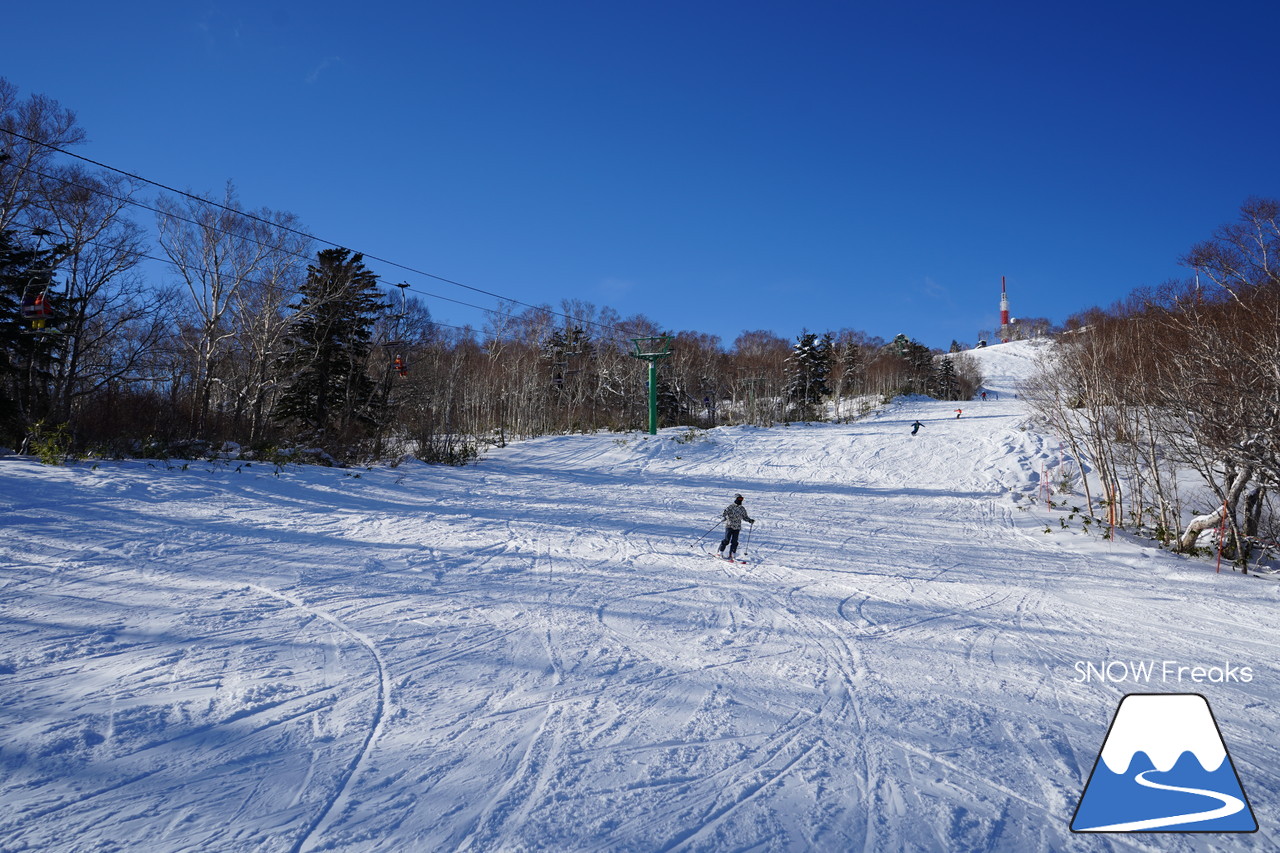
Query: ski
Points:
[727, 559]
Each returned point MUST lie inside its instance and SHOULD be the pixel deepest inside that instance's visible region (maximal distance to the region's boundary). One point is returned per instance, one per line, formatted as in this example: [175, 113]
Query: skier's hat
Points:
[737, 498]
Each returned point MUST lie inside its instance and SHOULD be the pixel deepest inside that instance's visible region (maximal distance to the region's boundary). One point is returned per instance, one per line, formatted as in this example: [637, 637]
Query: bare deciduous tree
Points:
[225, 259]
[30, 132]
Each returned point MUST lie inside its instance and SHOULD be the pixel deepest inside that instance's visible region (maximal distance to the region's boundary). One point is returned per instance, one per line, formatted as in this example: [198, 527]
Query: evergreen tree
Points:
[943, 383]
[810, 373]
[916, 364]
[27, 361]
[824, 357]
[328, 391]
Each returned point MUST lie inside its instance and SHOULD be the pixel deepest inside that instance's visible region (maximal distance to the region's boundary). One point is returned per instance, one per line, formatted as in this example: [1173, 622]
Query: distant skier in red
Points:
[734, 514]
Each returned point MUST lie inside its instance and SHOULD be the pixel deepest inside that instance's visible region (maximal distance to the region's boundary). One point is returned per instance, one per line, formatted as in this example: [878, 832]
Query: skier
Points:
[915, 427]
[734, 514]
[958, 412]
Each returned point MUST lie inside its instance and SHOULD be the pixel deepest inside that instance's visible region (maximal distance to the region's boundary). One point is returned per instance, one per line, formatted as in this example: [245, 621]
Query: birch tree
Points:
[31, 131]
[218, 254]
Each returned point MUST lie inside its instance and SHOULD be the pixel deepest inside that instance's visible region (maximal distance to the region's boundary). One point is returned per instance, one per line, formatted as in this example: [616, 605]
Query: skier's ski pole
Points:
[746, 552]
[704, 536]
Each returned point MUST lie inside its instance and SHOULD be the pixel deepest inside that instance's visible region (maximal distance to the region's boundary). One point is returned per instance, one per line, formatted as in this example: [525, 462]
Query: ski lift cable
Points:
[216, 229]
[300, 233]
[298, 255]
[304, 257]
[279, 288]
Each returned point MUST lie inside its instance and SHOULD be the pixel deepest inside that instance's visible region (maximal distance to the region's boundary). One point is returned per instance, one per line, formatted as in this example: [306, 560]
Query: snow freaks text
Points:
[1165, 671]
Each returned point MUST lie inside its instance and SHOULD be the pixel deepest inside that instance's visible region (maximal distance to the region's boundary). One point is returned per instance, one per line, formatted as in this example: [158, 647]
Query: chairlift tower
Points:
[652, 349]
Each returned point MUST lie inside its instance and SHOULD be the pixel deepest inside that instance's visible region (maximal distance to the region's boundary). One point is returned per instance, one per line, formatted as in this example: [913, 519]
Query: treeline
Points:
[1183, 377]
[215, 324]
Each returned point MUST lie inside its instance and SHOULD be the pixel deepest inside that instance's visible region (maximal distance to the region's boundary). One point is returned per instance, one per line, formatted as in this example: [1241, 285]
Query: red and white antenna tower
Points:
[1004, 313]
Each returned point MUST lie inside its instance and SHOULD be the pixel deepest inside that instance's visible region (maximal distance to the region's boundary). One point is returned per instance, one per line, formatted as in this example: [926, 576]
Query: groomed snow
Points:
[536, 653]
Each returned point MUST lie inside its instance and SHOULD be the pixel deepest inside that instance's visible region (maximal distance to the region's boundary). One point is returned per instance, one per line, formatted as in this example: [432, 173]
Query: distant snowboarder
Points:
[734, 514]
[958, 412]
[915, 427]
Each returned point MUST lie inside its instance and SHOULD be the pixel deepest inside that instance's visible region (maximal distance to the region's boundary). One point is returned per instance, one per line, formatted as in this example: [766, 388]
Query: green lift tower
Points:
[652, 350]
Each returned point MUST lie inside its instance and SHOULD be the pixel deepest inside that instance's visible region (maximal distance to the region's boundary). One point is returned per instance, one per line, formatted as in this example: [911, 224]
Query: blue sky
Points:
[715, 166]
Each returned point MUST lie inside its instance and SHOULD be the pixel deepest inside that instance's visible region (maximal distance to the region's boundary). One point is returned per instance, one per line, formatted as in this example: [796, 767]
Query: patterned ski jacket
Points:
[734, 515]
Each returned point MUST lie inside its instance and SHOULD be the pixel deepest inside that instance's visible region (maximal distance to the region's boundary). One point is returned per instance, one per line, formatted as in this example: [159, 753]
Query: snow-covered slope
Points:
[1006, 366]
[537, 652]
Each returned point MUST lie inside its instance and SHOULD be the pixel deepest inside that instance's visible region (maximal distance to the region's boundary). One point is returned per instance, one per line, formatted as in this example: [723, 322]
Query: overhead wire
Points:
[297, 232]
[249, 238]
[224, 231]
[279, 288]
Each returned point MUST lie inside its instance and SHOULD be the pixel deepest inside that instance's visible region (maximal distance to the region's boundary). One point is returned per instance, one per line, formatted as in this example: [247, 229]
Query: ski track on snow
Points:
[536, 652]
[333, 806]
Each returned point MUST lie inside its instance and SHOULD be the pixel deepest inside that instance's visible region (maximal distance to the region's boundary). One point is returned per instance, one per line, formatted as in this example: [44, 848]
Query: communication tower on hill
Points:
[1005, 331]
